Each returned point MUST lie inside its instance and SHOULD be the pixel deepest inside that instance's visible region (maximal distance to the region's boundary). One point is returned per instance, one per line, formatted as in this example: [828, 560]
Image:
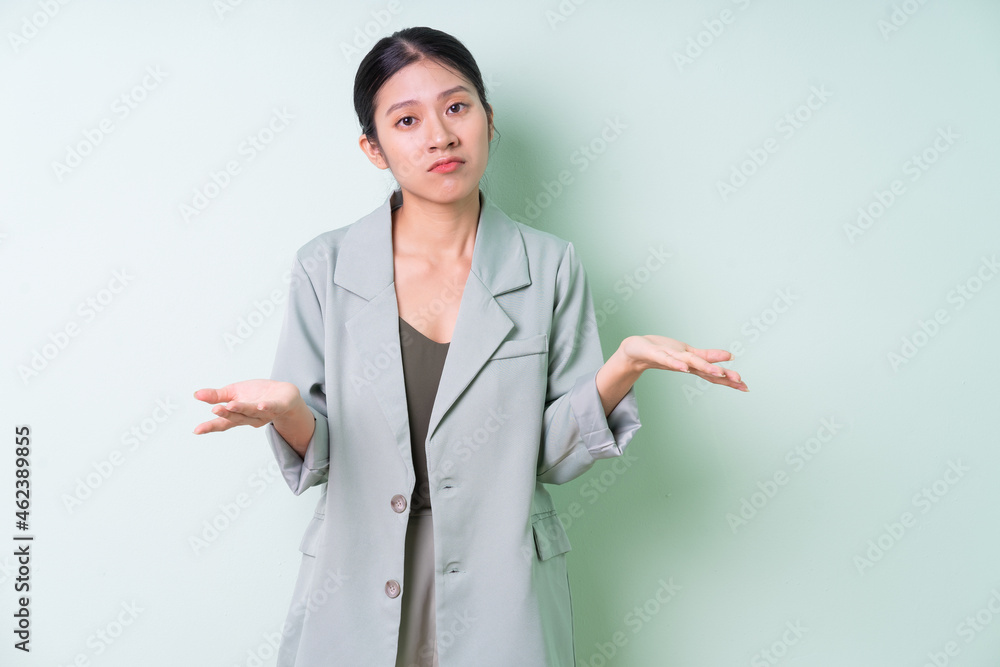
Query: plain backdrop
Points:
[812, 185]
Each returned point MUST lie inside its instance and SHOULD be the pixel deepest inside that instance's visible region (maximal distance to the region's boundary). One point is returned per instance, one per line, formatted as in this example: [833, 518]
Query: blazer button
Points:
[392, 588]
[399, 503]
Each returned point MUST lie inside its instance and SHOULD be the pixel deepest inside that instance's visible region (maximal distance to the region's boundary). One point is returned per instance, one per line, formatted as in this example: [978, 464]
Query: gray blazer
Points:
[517, 408]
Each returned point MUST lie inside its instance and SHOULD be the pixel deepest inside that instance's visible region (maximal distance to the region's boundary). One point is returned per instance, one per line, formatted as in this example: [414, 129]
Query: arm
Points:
[300, 361]
[579, 427]
[297, 427]
[615, 379]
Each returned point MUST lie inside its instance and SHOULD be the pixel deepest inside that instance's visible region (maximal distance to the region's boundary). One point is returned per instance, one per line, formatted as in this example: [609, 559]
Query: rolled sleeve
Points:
[604, 436]
[576, 431]
[302, 472]
[300, 360]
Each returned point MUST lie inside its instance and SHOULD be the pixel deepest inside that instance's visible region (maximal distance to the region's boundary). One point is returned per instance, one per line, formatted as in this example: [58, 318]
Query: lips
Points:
[444, 160]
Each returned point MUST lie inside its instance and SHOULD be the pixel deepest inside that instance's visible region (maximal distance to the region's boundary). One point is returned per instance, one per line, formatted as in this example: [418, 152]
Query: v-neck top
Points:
[423, 362]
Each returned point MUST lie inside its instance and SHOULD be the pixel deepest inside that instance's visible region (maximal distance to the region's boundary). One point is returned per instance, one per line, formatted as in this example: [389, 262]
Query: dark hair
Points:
[403, 47]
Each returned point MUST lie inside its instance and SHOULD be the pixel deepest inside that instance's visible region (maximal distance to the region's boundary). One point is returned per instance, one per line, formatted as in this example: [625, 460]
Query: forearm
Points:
[297, 427]
[614, 379]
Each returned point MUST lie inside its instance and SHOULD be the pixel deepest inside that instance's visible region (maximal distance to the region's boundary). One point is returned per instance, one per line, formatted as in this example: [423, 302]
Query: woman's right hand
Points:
[254, 402]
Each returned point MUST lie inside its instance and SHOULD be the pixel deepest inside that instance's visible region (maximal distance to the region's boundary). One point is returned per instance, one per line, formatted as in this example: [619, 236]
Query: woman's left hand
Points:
[653, 351]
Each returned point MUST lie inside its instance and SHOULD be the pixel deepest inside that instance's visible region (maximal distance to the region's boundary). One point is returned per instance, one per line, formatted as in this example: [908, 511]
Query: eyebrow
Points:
[441, 95]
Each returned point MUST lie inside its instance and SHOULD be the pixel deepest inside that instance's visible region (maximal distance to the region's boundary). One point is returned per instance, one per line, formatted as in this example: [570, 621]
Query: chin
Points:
[446, 191]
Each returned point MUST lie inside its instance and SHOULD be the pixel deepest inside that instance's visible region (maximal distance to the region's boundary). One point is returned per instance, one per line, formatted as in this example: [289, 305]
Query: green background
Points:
[851, 495]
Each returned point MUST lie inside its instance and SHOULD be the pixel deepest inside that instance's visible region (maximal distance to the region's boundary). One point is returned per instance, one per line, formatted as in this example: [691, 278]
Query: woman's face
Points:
[423, 113]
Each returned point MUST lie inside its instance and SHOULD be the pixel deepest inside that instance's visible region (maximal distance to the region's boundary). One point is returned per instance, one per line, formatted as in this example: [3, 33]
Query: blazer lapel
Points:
[365, 267]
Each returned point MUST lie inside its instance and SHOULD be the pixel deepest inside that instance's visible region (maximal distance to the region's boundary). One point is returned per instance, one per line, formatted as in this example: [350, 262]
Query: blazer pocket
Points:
[519, 347]
[310, 540]
[550, 535]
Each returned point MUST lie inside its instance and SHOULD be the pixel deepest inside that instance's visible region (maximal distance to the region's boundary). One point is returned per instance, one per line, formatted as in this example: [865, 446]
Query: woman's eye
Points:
[410, 118]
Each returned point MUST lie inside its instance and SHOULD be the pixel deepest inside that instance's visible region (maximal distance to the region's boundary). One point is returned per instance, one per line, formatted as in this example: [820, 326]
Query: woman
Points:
[437, 354]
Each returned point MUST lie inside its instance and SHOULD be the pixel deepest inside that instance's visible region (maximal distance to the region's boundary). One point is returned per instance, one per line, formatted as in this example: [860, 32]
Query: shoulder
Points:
[320, 250]
[542, 246]
[551, 257]
[316, 260]
[319, 254]
[365, 230]
[323, 247]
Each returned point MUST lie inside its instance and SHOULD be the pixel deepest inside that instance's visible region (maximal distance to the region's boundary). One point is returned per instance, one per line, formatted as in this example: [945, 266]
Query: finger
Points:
[696, 362]
[726, 381]
[714, 355]
[711, 355]
[261, 410]
[213, 426]
[244, 408]
[210, 395]
[238, 419]
[671, 362]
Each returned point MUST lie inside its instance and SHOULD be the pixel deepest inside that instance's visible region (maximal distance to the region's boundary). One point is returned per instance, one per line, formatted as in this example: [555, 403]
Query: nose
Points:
[439, 133]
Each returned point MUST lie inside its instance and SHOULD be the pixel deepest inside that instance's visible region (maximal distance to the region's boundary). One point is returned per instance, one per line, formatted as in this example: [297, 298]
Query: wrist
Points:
[297, 427]
[297, 413]
[625, 366]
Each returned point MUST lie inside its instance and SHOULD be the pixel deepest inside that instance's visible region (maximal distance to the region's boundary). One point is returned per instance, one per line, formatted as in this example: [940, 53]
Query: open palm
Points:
[254, 402]
[652, 351]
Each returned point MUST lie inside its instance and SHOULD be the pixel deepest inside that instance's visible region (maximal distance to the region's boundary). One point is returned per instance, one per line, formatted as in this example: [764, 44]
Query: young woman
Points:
[436, 354]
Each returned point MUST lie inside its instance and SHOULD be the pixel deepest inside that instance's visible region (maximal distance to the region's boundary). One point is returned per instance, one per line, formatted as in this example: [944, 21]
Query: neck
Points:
[432, 229]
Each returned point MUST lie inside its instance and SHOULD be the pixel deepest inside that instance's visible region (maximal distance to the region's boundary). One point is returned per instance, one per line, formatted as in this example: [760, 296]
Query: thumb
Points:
[210, 395]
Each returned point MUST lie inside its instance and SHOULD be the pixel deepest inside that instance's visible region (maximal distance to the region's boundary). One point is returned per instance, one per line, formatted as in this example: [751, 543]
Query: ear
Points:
[372, 152]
